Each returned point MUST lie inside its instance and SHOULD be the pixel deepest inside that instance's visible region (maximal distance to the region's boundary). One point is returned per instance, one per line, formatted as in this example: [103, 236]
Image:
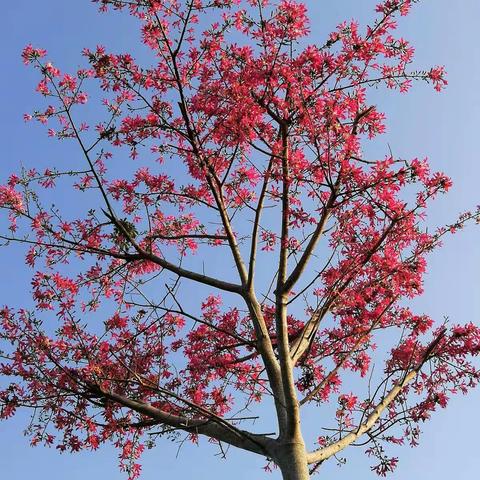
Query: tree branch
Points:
[325, 453]
[223, 432]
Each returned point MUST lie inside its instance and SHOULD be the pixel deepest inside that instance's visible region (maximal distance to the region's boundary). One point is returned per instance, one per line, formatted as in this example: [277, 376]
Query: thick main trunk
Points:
[292, 461]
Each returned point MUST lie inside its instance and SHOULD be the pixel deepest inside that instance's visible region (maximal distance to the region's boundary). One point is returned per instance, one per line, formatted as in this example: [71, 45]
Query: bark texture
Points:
[291, 458]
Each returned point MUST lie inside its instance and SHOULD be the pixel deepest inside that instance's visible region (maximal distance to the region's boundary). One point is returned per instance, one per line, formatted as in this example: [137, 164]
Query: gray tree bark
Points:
[292, 460]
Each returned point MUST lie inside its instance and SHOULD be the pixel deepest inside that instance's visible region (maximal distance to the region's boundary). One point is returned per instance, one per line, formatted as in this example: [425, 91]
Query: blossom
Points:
[29, 54]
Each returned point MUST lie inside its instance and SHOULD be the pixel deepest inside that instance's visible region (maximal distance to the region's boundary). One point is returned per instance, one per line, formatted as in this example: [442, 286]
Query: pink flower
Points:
[29, 54]
[82, 97]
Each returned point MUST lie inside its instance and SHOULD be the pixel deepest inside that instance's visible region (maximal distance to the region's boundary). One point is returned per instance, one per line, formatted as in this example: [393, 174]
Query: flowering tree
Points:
[248, 148]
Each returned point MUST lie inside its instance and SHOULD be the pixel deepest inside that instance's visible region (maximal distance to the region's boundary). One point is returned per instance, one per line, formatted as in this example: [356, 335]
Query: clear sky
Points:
[444, 127]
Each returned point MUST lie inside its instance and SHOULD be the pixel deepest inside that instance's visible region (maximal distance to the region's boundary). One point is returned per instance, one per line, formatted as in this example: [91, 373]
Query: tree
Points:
[250, 146]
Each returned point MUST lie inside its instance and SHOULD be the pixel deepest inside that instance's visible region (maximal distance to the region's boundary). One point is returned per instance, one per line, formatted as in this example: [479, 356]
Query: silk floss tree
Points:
[251, 255]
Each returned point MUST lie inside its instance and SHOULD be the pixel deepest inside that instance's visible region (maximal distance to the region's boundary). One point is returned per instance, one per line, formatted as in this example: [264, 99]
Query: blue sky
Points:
[443, 127]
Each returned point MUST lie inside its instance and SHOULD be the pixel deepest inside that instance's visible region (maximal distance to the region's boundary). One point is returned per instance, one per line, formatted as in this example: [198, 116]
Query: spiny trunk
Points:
[292, 460]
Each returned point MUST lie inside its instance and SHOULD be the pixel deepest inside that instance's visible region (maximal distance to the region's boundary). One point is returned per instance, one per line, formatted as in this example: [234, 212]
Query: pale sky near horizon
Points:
[444, 127]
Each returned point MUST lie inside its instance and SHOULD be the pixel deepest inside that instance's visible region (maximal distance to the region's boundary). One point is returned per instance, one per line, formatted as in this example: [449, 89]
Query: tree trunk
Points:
[292, 460]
